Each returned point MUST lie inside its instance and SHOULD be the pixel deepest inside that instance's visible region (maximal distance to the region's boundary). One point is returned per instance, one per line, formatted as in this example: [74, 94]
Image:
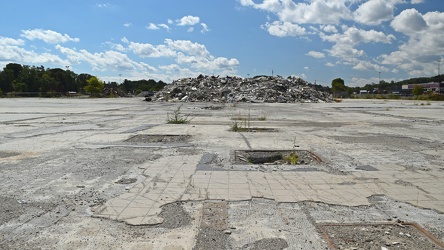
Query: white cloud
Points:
[103, 5]
[164, 26]
[366, 65]
[47, 36]
[409, 21]
[146, 50]
[127, 25]
[417, 1]
[313, 11]
[374, 12]
[204, 28]
[11, 51]
[329, 64]
[283, 29]
[353, 35]
[316, 12]
[345, 51]
[188, 21]
[188, 47]
[152, 26]
[6, 41]
[418, 55]
[316, 54]
[104, 61]
[169, 21]
[190, 29]
[329, 28]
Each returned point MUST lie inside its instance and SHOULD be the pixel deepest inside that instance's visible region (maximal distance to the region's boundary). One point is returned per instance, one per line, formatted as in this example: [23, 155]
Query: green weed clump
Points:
[177, 117]
[292, 158]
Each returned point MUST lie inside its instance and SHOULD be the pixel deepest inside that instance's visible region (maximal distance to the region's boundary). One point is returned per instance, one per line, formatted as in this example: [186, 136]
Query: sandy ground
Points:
[68, 168]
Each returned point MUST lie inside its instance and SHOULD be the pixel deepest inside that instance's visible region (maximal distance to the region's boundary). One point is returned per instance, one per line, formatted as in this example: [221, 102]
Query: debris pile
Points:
[236, 89]
[113, 92]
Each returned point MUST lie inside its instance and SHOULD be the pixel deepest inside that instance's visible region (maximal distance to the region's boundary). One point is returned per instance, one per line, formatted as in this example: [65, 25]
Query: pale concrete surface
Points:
[402, 140]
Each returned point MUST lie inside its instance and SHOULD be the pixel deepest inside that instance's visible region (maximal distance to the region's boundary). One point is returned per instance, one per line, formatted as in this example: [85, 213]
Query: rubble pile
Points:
[235, 89]
[113, 92]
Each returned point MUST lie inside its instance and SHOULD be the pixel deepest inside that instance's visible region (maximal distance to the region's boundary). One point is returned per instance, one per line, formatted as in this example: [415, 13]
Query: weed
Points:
[263, 117]
[293, 157]
[177, 117]
[243, 125]
[237, 127]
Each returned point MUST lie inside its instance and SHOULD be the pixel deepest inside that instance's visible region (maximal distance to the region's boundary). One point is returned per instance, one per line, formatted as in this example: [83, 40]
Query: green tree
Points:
[418, 90]
[94, 86]
[338, 85]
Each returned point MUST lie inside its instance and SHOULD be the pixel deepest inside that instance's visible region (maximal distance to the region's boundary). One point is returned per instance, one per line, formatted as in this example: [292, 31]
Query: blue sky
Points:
[317, 40]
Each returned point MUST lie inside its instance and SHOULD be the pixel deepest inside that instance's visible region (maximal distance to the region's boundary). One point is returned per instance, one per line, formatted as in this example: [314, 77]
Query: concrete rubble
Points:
[259, 89]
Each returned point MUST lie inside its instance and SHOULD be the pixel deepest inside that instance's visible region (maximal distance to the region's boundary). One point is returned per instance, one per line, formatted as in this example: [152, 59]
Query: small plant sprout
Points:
[177, 117]
[263, 116]
[293, 157]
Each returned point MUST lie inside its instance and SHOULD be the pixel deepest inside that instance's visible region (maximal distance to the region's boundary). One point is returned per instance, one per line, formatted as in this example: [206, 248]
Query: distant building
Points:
[431, 86]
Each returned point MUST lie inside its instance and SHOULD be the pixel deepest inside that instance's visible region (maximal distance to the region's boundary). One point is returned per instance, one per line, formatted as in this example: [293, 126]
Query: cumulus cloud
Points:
[353, 35]
[283, 29]
[47, 36]
[146, 50]
[104, 60]
[418, 55]
[366, 65]
[188, 21]
[316, 54]
[417, 1]
[11, 50]
[409, 21]
[315, 11]
[127, 25]
[6, 41]
[346, 52]
[374, 12]
[329, 28]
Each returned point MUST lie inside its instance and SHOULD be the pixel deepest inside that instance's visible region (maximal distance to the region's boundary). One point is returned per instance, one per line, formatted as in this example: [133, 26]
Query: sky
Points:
[360, 41]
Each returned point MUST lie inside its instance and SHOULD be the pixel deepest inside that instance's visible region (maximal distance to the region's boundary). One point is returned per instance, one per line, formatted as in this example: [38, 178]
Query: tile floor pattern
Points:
[175, 178]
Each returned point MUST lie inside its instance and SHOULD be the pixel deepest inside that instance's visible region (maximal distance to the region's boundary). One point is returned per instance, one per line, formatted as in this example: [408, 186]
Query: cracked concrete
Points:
[62, 159]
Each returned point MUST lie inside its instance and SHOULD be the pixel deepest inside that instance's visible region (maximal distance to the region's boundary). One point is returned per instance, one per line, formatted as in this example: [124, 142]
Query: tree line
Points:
[38, 80]
[382, 87]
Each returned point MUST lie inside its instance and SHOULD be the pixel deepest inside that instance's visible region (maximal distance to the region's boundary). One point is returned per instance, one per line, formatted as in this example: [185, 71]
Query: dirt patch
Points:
[174, 216]
[274, 157]
[213, 107]
[6, 154]
[378, 236]
[252, 130]
[12, 208]
[212, 232]
[158, 138]
[126, 181]
[270, 243]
